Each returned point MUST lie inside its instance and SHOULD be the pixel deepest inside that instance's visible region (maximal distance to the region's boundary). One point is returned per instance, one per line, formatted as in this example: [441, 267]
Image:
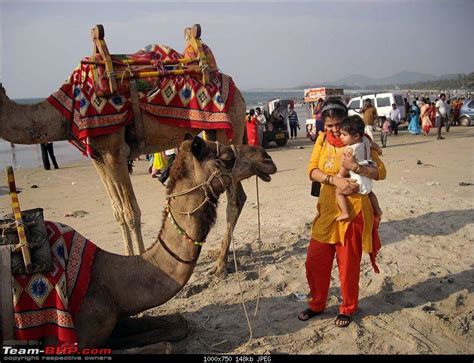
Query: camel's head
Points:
[198, 160]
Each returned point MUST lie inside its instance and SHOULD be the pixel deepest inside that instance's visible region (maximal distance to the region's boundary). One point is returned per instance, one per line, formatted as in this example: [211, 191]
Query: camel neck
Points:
[40, 122]
[166, 267]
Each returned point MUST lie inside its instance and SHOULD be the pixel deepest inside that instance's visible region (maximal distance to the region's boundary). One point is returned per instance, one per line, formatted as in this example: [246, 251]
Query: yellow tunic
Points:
[326, 229]
[159, 162]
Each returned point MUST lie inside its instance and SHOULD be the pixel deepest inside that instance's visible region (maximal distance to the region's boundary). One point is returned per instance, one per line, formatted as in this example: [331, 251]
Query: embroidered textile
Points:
[45, 304]
[181, 100]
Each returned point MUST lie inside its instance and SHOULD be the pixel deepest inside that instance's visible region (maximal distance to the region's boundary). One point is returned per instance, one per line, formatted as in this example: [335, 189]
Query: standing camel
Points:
[40, 123]
[202, 171]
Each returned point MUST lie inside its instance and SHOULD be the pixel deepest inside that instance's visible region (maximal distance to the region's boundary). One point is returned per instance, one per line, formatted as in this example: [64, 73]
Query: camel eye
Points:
[227, 159]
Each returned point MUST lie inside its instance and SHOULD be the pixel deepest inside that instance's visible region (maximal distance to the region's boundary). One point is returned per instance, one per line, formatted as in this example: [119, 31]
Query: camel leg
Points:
[97, 317]
[119, 178]
[112, 166]
[235, 203]
[147, 330]
[116, 205]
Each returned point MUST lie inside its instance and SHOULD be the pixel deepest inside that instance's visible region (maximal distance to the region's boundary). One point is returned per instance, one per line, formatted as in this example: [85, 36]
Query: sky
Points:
[262, 45]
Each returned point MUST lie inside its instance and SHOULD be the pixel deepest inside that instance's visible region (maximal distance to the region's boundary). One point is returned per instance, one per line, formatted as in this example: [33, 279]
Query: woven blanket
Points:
[45, 304]
[182, 101]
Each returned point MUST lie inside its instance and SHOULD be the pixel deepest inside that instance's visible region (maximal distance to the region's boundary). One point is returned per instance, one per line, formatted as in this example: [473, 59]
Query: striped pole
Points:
[23, 245]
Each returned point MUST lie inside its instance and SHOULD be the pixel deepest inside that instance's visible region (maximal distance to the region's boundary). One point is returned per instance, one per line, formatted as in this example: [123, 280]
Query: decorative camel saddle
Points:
[108, 91]
[44, 273]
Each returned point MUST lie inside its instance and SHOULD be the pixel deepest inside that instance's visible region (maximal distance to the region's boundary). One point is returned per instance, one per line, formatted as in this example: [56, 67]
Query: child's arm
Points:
[343, 172]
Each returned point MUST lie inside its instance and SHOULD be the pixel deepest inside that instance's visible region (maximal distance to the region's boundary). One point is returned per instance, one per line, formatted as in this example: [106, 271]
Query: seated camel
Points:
[41, 123]
[122, 286]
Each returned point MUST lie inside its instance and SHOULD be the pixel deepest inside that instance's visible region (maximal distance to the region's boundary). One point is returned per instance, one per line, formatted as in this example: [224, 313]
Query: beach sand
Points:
[422, 301]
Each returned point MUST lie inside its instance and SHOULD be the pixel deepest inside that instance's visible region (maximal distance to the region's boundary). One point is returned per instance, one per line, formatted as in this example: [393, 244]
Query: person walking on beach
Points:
[251, 125]
[425, 110]
[47, 148]
[386, 130]
[261, 122]
[395, 118]
[432, 113]
[317, 115]
[414, 125]
[294, 124]
[441, 113]
[449, 112]
[369, 113]
[346, 239]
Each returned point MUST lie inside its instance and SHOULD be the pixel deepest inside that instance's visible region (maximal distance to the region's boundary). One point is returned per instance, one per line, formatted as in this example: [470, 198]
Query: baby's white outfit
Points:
[361, 152]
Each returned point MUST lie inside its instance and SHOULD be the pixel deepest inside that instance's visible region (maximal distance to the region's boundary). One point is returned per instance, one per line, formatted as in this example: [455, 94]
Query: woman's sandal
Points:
[344, 319]
[308, 314]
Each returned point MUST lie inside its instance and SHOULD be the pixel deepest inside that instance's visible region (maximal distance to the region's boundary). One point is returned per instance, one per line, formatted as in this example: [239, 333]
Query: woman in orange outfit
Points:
[346, 239]
[252, 130]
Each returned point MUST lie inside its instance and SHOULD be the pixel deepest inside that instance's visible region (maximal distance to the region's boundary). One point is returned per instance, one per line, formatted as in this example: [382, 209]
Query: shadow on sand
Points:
[278, 315]
[431, 224]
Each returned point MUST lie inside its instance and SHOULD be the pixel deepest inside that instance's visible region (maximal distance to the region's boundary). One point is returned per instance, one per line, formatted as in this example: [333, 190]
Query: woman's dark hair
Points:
[252, 112]
[353, 125]
[333, 107]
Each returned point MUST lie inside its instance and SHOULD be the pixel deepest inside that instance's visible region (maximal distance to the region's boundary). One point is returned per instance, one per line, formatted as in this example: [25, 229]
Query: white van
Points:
[381, 101]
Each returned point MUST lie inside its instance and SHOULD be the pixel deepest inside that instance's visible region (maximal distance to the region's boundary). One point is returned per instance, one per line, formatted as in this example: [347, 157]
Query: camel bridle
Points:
[208, 190]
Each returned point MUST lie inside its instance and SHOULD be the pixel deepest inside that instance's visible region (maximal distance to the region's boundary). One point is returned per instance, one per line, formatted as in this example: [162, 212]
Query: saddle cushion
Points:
[45, 304]
[37, 237]
[181, 100]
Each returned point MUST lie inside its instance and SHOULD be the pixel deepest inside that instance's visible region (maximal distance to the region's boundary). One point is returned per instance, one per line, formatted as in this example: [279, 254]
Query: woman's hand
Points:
[346, 185]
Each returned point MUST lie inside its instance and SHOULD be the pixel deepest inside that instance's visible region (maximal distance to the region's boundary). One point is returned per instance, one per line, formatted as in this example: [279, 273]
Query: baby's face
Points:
[349, 139]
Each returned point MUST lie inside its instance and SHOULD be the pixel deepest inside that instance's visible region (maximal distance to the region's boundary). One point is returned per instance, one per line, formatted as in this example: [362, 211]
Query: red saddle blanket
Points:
[176, 100]
[45, 304]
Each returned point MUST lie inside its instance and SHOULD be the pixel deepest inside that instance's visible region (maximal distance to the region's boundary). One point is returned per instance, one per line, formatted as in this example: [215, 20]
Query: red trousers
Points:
[319, 261]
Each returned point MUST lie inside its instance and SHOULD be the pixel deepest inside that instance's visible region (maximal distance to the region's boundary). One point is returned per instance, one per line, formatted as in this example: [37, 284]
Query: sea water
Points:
[28, 156]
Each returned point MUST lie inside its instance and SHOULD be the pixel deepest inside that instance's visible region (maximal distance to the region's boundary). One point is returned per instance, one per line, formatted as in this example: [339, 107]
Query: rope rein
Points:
[208, 190]
[259, 253]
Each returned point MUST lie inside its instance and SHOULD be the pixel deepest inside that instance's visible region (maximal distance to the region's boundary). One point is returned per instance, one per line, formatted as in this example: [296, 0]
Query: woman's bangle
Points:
[358, 169]
[326, 179]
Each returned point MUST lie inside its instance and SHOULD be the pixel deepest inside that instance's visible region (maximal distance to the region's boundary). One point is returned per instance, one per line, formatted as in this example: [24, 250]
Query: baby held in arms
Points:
[358, 145]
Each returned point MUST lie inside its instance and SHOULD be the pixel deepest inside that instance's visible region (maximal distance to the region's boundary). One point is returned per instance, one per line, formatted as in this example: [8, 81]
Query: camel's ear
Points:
[198, 148]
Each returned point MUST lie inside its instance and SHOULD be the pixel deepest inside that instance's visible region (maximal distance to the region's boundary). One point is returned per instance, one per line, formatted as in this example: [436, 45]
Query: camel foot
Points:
[218, 270]
[147, 330]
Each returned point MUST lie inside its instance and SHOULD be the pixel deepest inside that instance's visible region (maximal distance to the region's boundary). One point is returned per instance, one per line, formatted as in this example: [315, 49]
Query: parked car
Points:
[276, 128]
[381, 101]
[466, 114]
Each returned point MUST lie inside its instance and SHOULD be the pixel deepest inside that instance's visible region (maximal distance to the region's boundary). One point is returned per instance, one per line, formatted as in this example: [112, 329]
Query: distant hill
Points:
[398, 80]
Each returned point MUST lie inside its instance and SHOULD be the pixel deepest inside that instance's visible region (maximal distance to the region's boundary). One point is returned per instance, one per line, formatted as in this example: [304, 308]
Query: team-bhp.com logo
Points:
[14, 353]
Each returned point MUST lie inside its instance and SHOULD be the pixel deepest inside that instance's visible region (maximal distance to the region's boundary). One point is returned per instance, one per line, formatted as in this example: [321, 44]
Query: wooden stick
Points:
[23, 245]
[177, 72]
[144, 62]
